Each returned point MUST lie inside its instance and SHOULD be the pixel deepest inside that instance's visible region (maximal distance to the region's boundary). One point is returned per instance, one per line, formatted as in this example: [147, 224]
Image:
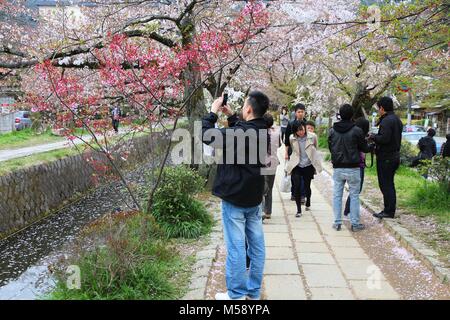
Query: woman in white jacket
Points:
[303, 163]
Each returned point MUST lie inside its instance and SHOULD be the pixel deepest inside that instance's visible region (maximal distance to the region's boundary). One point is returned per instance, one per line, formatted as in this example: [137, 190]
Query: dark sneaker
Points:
[383, 215]
[298, 215]
[358, 227]
[308, 203]
[337, 227]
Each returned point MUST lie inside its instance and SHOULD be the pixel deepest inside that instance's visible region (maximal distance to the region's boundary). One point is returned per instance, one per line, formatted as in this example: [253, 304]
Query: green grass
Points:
[416, 195]
[26, 138]
[40, 158]
[323, 142]
[134, 264]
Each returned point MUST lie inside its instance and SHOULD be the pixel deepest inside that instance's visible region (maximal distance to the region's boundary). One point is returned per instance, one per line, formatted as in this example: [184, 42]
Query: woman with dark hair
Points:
[284, 121]
[304, 162]
[364, 124]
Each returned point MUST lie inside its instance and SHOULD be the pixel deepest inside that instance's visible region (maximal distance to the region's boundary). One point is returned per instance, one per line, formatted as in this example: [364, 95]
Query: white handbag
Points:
[285, 185]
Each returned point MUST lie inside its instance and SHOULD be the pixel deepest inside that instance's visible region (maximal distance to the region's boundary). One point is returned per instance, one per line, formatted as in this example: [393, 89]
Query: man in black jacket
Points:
[346, 141]
[388, 142]
[240, 185]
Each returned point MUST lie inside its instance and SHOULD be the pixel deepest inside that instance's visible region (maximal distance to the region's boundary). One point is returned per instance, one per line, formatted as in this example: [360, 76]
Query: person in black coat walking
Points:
[387, 149]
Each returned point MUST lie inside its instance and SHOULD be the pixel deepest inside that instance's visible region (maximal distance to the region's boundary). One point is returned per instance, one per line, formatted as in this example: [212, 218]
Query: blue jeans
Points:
[353, 177]
[240, 224]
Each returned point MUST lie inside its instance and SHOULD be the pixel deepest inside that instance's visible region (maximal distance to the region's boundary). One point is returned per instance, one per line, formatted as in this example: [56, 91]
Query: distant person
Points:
[388, 142]
[311, 126]
[284, 121]
[292, 116]
[346, 141]
[427, 145]
[303, 163]
[115, 116]
[364, 125]
[272, 163]
[427, 148]
[445, 148]
[300, 112]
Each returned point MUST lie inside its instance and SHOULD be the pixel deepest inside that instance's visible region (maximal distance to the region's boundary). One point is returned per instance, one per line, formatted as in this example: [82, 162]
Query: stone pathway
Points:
[307, 259]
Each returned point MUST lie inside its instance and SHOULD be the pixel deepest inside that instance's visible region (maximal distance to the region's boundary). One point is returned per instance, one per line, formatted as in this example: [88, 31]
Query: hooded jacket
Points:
[241, 184]
[345, 142]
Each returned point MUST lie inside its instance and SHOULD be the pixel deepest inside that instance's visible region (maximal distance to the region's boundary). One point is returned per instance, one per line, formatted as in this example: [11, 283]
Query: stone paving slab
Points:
[316, 258]
[328, 276]
[359, 269]
[284, 287]
[310, 247]
[281, 267]
[276, 253]
[335, 241]
[369, 291]
[350, 253]
[332, 294]
[277, 240]
[306, 236]
[274, 227]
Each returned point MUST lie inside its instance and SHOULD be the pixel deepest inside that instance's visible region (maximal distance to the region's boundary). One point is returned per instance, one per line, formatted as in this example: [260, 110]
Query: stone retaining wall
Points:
[28, 194]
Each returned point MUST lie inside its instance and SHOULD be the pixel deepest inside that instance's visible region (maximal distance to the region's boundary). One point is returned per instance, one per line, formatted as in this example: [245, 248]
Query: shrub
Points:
[175, 209]
[438, 169]
[133, 263]
[407, 152]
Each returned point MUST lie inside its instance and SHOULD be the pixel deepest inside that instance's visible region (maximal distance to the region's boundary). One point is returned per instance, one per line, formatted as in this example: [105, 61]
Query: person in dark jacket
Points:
[427, 145]
[445, 148]
[427, 148]
[299, 111]
[364, 124]
[388, 142]
[346, 141]
[240, 184]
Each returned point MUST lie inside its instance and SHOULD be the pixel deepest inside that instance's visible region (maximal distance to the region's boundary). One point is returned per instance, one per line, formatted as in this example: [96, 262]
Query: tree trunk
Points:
[195, 108]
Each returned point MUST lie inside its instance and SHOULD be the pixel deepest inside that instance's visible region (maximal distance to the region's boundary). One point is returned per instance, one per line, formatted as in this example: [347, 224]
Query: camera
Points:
[225, 99]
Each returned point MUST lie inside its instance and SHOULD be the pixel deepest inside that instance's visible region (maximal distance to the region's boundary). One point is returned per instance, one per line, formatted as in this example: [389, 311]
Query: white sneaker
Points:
[225, 296]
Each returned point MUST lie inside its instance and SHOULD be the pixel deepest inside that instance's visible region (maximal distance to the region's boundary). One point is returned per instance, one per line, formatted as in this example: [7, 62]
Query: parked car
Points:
[414, 137]
[22, 120]
[414, 128]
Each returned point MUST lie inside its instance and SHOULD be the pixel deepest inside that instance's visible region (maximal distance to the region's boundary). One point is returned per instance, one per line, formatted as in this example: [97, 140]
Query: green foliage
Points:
[438, 169]
[432, 199]
[322, 134]
[175, 209]
[407, 152]
[133, 264]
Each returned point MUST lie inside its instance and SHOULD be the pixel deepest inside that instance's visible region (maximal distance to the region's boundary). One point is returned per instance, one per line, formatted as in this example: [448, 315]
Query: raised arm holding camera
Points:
[241, 188]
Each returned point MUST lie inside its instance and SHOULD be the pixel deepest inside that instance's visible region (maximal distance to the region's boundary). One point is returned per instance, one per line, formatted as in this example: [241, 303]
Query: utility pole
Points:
[409, 106]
